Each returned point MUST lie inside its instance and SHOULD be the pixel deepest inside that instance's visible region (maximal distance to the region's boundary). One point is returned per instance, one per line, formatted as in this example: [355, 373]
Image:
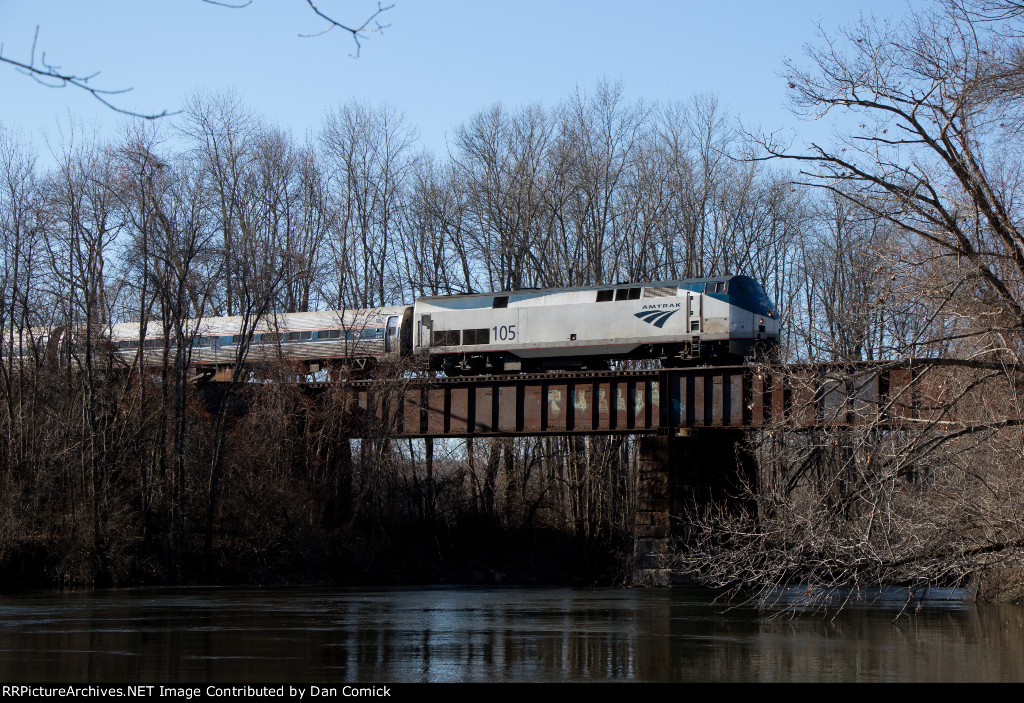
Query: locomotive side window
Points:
[715, 287]
[500, 301]
[445, 338]
[481, 336]
[604, 296]
[660, 292]
[627, 294]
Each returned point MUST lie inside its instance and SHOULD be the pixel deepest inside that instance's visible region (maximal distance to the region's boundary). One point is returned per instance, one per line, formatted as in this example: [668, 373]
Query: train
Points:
[718, 320]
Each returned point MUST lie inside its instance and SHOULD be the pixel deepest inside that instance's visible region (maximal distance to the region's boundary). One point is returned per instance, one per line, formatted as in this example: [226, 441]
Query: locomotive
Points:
[707, 320]
[717, 320]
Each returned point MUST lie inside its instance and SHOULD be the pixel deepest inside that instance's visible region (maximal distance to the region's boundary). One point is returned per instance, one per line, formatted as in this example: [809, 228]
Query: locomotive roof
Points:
[680, 282]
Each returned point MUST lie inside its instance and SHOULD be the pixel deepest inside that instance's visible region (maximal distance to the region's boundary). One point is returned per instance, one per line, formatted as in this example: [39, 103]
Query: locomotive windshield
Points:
[749, 295]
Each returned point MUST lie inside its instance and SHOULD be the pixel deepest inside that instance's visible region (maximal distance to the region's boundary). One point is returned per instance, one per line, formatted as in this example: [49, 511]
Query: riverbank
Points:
[473, 554]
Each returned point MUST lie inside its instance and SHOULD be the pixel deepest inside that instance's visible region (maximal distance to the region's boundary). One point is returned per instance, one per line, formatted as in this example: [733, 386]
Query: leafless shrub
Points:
[921, 490]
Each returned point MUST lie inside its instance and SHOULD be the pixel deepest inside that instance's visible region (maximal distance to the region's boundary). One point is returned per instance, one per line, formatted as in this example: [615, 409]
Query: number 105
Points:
[506, 333]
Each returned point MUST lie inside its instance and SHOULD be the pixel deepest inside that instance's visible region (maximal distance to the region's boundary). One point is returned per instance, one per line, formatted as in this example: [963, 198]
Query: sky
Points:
[437, 61]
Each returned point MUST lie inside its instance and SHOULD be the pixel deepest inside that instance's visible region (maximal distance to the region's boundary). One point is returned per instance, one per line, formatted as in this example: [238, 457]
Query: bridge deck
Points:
[636, 402]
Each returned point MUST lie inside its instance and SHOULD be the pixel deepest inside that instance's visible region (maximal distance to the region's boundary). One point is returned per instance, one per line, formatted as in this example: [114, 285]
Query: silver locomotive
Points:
[709, 320]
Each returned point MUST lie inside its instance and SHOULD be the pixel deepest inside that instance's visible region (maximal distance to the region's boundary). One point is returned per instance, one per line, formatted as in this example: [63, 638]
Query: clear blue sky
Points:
[439, 61]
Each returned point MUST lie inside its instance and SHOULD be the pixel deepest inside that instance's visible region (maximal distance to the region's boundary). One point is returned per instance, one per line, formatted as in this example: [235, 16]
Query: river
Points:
[462, 634]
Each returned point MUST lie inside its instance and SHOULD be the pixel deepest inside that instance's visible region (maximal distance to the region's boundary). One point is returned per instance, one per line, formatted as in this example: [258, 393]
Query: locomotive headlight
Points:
[761, 322]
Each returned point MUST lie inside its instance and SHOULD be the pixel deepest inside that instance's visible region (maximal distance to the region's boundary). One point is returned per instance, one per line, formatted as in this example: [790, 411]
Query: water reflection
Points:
[488, 634]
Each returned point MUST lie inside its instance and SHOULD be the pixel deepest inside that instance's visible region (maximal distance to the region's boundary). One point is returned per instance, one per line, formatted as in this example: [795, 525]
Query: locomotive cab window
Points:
[627, 294]
[604, 296]
[500, 301]
[715, 287]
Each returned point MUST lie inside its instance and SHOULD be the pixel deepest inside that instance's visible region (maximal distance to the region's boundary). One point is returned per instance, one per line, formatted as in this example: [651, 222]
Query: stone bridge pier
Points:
[681, 475]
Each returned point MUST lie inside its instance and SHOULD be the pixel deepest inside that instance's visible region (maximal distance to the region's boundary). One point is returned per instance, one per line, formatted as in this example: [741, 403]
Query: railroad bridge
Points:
[692, 421]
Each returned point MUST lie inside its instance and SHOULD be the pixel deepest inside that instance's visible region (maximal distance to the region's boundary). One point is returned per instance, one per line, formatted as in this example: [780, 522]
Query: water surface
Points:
[491, 634]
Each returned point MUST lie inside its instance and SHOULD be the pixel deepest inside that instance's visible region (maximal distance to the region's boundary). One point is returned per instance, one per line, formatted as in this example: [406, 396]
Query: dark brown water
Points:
[490, 634]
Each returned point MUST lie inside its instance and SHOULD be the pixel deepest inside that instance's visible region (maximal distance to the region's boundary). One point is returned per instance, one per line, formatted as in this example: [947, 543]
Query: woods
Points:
[223, 214]
[902, 240]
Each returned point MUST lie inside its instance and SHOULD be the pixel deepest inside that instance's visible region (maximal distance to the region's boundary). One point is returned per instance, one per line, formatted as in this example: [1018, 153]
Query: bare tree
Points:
[85, 223]
[22, 323]
[223, 131]
[313, 224]
[602, 133]
[502, 162]
[369, 152]
[433, 254]
[930, 148]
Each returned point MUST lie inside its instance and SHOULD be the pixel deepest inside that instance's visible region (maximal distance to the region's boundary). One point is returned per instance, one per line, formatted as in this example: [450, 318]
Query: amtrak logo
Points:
[657, 317]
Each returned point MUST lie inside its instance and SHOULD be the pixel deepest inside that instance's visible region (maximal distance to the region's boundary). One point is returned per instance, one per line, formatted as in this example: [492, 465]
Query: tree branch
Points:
[52, 76]
[357, 32]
